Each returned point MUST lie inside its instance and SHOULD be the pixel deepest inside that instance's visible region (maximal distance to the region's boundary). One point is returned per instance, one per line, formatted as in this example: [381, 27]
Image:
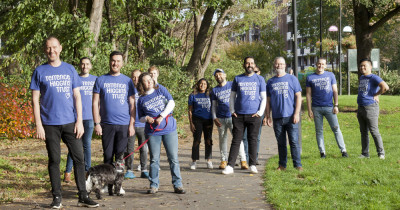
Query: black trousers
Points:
[204, 126]
[240, 123]
[114, 141]
[54, 134]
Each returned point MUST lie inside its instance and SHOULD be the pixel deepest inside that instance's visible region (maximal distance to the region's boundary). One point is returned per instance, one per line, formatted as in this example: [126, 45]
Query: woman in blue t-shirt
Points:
[155, 106]
[201, 121]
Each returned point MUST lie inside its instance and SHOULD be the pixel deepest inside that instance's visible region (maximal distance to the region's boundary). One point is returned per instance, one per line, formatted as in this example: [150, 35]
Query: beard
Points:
[249, 70]
[220, 80]
[279, 71]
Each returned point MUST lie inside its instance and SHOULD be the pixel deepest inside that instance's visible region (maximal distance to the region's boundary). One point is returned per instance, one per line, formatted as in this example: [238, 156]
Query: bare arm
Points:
[79, 130]
[96, 113]
[335, 99]
[232, 99]
[190, 112]
[40, 134]
[214, 113]
[296, 116]
[309, 101]
[267, 118]
[132, 112]
[383, 87]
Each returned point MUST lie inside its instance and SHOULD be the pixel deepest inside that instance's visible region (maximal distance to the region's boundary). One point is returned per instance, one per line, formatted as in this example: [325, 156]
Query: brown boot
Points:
[223, 165]
[67, 177]
[244, 165]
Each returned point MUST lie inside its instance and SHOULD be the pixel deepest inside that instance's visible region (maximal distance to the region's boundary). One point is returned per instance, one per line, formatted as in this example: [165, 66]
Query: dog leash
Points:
[154, 130]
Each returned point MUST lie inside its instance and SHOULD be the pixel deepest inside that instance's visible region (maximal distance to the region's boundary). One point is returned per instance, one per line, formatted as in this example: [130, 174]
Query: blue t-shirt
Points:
[137, 121]
[201, 105]
[222, 95]
[367, 88]
[87, 96]
[281, 91]
[114, 94]
[56, 96]
[248, 89]
[321, 86]
[152, 105]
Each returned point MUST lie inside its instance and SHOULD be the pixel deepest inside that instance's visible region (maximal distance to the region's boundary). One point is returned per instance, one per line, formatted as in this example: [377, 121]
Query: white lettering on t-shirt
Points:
[248, 88]
[224, 95]
[87, 87]
[281, 88]
[117, 91]
[323, 84]
[157, 103]
[204, 103]
[363, 87]
[61, 82]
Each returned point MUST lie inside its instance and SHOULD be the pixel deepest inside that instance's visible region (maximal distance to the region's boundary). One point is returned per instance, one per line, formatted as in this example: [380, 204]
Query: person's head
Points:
[135, 76]
[219, 76]
[249, 64]
[365, 66]
[257, 70]
[321, 65]
[291, 71]
[154, 72]
[85, 65]
[145, 83]
[201, 86]
[116, 62]
[52, 49]
[280, 65]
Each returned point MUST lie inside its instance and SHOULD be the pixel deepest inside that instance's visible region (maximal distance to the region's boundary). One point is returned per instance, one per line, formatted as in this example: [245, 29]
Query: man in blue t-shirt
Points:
[369, 88]
[321, 88]
[284, 101]
[139, 133]
[59, 116]
[247, 104]
[87, 116]
[114, 109]
[222, 117]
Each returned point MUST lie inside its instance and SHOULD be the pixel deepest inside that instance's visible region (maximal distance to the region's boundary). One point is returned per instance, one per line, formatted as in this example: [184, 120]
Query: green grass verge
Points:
[336, 182]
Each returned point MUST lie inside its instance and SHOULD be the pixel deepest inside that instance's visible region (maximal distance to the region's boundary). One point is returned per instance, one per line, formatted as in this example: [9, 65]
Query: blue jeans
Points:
[281, 127]
[319, 114]
[87, 141]
[170, 142]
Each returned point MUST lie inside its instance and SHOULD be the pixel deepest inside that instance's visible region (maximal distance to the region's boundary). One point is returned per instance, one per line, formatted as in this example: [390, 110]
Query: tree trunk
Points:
[110, 25]
[89, 8]
[128, 14]
[362, 31]
[139, 43]
[96, 16]
[73, 6]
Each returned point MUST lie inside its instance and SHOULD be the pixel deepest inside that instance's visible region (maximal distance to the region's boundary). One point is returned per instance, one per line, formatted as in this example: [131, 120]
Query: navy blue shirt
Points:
[201, 105]
[321, 86]
[222, 95]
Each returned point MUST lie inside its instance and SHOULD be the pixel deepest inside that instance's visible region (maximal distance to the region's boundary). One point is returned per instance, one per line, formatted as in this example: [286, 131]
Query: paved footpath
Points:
[206, 188]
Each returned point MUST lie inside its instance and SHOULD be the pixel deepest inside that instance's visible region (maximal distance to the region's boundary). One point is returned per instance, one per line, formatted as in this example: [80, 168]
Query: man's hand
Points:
[79, 130]
[311, 114]
[234, 114]
[255, 115]
[98, 130]
[335, 110]
[149, 120]
[159, 120]
[269, 122]
[217, 122]
[40, 134]
[296, 118]
[192, 128]
[376, 98]
[131, 130]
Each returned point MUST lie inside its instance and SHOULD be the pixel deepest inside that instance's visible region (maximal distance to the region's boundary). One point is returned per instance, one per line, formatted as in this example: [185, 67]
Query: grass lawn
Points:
[336, 182]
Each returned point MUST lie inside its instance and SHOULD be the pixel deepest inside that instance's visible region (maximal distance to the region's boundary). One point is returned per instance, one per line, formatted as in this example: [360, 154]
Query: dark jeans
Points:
[202, 126]
[368, 119]
[114, 141]
[240, 123]
[54, 134]
[139, 133]
[281, 127]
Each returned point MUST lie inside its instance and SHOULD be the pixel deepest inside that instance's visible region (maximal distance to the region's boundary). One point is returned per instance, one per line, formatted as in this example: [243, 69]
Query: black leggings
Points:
[202, 126]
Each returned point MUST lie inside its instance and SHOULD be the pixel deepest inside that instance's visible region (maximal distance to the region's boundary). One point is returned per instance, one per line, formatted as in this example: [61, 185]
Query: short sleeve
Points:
[333, 79]
[166, 93]
[212, 95]
[191, 99]
[234, 85]
[263, 86]
[35, 82]
[131, 91]
[308, 83]
[297, 87]
[268, 88]
[96, 87]
[76, 81]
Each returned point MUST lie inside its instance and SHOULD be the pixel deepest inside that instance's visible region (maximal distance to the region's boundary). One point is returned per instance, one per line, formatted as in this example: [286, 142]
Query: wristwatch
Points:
[336, 105]
[96, 124]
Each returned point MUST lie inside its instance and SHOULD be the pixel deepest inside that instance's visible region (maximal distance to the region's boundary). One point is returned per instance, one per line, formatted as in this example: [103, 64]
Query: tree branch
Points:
[384, 19]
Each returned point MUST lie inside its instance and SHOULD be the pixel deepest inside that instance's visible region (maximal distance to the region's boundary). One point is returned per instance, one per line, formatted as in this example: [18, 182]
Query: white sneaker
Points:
[122, 191]
[209, 165]
[253, 169]
[382, 157]
[228, 170]
[193, 165]
[139, 168]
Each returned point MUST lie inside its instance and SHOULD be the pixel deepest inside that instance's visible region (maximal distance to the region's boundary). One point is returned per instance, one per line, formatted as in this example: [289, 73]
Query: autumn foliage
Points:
[15, 111]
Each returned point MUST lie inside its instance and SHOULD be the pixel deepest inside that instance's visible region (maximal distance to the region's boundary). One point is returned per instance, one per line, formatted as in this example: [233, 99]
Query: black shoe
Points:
[56, 204]
[179, 190]
[84, 200]
[344, 154]
[323, 155]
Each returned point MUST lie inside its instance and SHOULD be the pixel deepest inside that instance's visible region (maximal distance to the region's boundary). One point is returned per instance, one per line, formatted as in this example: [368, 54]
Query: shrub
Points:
[16, 119]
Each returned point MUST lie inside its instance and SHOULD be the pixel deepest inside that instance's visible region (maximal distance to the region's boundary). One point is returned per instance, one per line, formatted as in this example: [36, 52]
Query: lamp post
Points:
[340, 47]
[348, 29]
[320, 28]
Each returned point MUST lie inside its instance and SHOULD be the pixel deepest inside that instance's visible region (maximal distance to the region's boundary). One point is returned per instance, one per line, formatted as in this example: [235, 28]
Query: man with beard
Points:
[247, 104]
[284, 101]
[222, 117]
